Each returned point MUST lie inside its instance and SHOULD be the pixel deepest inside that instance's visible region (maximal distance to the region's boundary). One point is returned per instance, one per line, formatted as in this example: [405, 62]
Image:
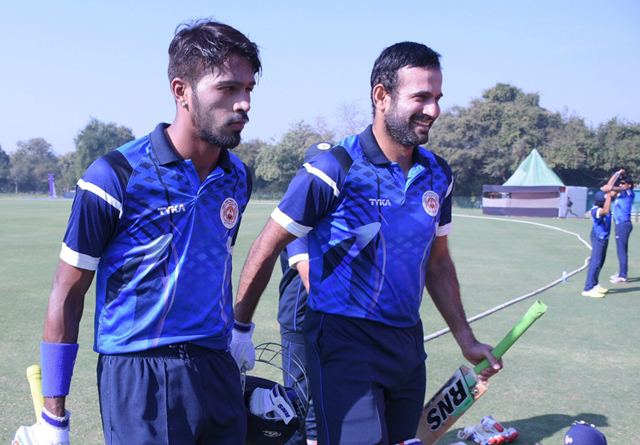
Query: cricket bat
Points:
[24, 435]
[460, 392]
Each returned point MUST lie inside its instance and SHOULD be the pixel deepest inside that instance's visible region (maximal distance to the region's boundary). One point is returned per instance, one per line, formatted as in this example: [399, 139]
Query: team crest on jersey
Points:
[229, 213]
[431, 202]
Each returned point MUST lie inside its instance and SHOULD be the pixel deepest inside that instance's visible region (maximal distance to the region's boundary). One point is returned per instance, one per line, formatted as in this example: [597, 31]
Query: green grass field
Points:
[579, 361]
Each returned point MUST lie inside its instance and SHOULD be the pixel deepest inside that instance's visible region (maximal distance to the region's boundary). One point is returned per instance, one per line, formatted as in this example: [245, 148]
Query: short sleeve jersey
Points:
[601, 224]
[161, 241]
[370, 228]
[621, 207]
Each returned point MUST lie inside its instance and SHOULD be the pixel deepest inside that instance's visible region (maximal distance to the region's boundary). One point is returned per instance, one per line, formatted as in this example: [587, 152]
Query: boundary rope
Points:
[562, 279]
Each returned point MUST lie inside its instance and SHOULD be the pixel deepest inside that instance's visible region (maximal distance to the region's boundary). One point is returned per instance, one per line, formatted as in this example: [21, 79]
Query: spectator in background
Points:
[621, 211]
[599, 238]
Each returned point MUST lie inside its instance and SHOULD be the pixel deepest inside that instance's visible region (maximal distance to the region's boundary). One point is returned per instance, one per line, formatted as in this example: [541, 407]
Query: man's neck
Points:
[203, 155]
[394, 152]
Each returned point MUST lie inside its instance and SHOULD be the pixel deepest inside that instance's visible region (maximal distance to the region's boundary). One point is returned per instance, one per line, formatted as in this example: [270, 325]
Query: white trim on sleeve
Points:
[295, 259]
[443, 230]
[101, 194]
[323, 176]
[288, 224]
[77, 259]
[449, 188]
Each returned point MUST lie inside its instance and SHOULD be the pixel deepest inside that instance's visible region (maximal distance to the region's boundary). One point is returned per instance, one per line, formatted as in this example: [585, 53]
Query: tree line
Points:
[484, 143]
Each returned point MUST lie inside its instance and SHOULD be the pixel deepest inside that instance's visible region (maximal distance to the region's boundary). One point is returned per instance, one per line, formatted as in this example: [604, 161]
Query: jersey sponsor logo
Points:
[431, 202]
[229, 213]
[168, 210]
[380, 202]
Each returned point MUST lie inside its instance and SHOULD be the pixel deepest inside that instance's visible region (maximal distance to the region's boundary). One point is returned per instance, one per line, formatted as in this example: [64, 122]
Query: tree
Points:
[31, 164]
[351, 119]
[68, 171]
[486, 141]
[97, 139]
[276, 165]
[5, 171]
[618, 147]
[249, 151]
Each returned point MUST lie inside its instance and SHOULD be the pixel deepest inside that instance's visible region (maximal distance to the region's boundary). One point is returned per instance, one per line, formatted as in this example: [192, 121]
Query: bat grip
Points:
[535, 311]
[34, 376]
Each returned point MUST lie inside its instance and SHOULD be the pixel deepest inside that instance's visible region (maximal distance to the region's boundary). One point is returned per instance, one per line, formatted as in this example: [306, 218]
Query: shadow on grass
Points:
[538, 428]
[624, 290]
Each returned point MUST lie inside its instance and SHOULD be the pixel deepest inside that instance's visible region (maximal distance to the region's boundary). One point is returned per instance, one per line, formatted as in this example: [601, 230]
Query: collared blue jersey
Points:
[161, 241]
[369, 227]
[621, 207]
[601, 224]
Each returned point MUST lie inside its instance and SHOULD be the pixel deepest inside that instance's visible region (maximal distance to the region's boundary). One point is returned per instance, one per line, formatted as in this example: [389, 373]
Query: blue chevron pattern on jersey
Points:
[370, 228]
[161, 241]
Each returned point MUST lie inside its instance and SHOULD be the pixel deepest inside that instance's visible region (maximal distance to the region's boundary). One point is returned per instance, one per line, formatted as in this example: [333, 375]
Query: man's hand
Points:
[475, 352]
[50, 430]
[241, 348]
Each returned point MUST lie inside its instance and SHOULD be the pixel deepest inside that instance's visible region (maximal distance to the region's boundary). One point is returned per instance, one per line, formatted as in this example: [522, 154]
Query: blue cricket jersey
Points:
[621, 207]
[601, 224]
[369, 228]
[161, 241]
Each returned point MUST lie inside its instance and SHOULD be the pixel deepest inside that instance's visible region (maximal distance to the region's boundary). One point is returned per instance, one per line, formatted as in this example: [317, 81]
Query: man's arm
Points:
[609, 193]
[257, 268]
[442, 284]
[64, 312]
[303, 270]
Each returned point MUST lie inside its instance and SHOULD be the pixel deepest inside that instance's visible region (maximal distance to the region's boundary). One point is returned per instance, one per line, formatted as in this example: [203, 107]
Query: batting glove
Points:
[273, 404]
[50, 430]
[241, 348]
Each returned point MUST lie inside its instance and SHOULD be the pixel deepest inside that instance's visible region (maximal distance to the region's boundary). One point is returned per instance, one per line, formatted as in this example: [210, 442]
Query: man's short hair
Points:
[397, 56]
[201, 46]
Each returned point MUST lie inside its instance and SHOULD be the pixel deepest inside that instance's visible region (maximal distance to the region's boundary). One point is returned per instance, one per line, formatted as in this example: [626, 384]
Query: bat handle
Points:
[535, 311]
[34, 376]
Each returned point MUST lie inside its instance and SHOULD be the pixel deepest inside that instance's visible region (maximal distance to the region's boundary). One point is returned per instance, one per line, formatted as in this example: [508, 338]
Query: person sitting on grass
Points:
[599, 238]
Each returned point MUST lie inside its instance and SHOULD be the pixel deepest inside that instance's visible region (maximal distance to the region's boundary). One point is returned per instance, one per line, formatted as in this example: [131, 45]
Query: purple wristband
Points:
[59, 422]
[57, 360]
[242, 327]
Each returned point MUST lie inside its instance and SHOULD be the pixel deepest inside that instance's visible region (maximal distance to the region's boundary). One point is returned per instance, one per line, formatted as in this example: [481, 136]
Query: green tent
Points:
[533, 171]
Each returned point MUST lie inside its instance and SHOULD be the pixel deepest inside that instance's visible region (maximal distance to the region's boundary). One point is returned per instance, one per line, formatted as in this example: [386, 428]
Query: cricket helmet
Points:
[583, 433]
[315, 149]
[274, 412]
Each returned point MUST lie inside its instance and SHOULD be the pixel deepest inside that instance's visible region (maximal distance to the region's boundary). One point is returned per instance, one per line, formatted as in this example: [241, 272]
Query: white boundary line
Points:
[562, 279]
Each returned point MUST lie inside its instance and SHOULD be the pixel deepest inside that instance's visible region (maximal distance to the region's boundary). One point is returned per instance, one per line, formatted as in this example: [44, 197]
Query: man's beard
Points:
[206, 130]
[401, 131]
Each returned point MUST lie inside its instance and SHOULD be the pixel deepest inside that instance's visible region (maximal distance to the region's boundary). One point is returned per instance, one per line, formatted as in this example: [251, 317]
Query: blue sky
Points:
[66, 61]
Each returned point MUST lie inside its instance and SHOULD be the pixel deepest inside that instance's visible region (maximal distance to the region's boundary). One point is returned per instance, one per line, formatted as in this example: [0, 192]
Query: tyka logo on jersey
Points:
[178, 208]
[379, 202]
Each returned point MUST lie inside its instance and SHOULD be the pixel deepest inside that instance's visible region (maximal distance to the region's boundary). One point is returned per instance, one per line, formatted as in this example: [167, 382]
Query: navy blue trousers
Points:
[367, 379]
[598, 255]
[623, 231]
[176, 395]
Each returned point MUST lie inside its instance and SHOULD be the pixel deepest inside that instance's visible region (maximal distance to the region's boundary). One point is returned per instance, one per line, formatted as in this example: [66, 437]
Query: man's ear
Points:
[181, 92]
[380, 97]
